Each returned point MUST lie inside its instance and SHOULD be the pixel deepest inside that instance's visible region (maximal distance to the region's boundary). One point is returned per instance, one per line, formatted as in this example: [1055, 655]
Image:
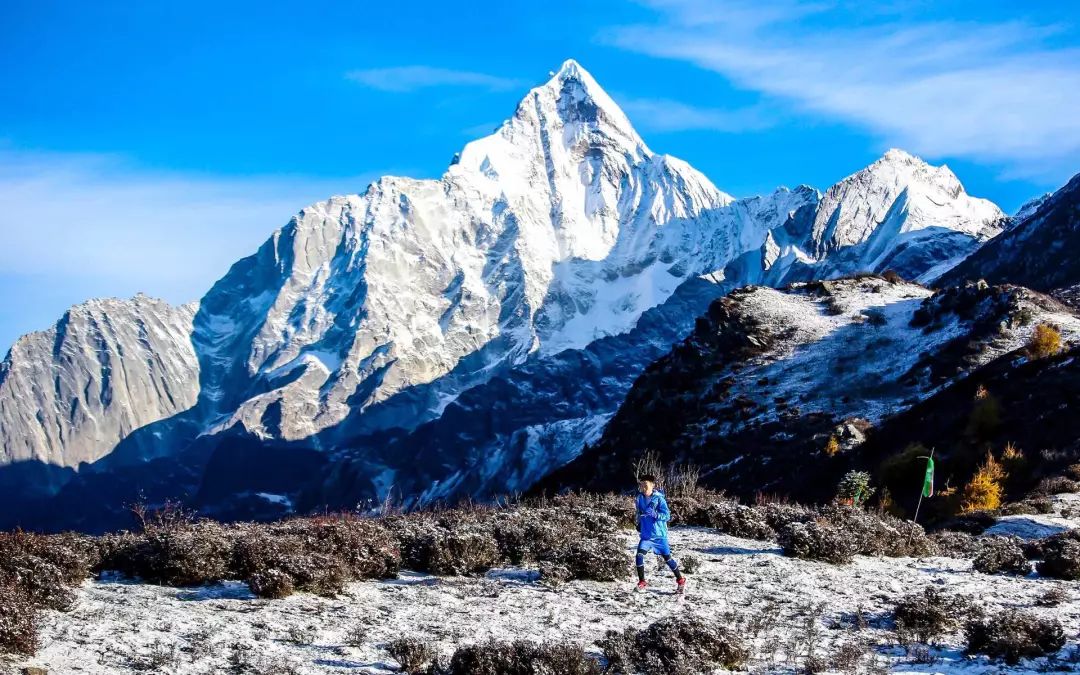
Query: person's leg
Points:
[673, 564]
[664, 549]
[639, 560]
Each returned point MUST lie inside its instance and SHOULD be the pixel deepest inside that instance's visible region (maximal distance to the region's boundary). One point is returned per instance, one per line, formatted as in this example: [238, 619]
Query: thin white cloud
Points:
[1004, 93]
[94, 225]
[665, 115]
[411, 78]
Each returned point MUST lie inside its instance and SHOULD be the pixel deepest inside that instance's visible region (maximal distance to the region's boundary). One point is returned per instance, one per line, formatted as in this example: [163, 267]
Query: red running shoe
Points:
[680, 585]
[641, 585]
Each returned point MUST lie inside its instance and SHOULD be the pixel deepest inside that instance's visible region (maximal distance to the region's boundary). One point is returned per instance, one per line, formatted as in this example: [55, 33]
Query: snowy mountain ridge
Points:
[557, 246]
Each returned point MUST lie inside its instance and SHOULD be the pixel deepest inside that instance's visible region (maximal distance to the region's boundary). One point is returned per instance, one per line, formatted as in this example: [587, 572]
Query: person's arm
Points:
[663, 514]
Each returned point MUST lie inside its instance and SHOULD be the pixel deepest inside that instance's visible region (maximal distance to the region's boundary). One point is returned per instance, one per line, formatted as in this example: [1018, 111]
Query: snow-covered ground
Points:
[1066, 508]
[779, 604]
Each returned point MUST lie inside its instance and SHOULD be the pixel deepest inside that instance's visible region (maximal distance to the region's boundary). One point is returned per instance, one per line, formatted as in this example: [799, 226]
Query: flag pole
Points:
[922, 490]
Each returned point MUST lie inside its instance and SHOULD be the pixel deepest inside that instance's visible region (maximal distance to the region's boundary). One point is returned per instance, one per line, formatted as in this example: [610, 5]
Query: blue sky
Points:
[145, 146]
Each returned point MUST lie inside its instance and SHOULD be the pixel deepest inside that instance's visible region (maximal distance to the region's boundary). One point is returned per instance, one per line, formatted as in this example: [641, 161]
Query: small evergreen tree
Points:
[855, 488]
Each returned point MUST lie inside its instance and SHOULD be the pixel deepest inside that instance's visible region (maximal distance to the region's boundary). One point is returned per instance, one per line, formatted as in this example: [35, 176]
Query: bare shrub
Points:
[458, 553]
[954, 544]
[690, 563]
[302, 635]
[521, 657]
[412, 654]
[272, 583]
[673, 646]
[72, 554]
[847, 656]
[738, 520]
[1060, 556]
[554, 574]
[1053, 597]
[597, 559]
[1001, 555]
[41, 582]
[1056, 485]
[1012, 635]
[818, 541]
[195, 554]
[878, 534]
[779, 515]
[18, 622]
[932, 614]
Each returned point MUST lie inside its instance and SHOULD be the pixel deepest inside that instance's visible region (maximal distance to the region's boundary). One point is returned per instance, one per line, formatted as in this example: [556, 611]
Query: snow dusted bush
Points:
[1013, 635]
[41, 582]
[617, 506]
[878, 533]
[18, 622]
[521, 657]
[1001, 555]
[531, 534]
[271, 583]
[317, 554]
[673, 646]
[184, 555]
[1060, 556]
[1056, 485]
[597, 559]
[818, 541]
[553, 574]
[72, 554]
[738, 520]
[779, 515]
[446, 545]
[923, 617]
[37, 571]
[954, 544]
[412, 654]
[1053, 597]
[690, 563]
[458, 553]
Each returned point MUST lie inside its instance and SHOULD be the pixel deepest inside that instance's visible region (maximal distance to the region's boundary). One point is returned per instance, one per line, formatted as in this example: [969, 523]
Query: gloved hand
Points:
[651, 512]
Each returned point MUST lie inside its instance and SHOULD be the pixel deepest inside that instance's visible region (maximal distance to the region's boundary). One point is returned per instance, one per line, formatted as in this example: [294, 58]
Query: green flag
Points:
[928, 482]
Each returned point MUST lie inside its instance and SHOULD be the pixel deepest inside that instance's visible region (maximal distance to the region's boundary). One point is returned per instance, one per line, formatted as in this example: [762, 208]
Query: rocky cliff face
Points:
[69, 394]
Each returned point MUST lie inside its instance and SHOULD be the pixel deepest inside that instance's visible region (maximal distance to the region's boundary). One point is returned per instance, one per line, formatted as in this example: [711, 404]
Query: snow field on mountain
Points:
[780, 603]
[846, 352]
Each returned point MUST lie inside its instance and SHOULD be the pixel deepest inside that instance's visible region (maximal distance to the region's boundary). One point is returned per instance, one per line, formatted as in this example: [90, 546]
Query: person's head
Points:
[646, 483]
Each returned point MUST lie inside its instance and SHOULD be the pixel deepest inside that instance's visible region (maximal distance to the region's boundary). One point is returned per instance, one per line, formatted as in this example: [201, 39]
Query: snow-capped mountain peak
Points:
[375, 314]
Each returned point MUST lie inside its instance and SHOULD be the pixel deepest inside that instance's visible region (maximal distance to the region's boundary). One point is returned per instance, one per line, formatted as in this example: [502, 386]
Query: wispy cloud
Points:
[411, 78]
[1005, 92]
[662, 115]
[89, 225]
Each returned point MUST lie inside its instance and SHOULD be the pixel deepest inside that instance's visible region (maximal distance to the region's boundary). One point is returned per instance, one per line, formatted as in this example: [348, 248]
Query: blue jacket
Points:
[653, 515]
